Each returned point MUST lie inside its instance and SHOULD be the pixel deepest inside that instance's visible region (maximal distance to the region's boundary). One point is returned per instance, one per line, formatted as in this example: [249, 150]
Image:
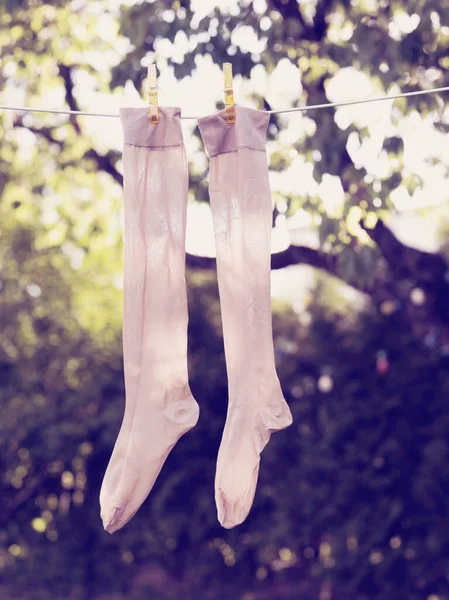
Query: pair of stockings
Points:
[160, 407]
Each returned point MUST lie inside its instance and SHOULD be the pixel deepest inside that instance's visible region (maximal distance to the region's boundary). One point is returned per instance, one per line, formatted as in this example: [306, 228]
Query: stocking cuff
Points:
[138, 131]
[249, 130]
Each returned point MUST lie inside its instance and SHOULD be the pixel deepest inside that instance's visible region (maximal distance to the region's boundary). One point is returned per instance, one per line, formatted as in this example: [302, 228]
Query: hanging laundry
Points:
[242, 212]
[159, 405]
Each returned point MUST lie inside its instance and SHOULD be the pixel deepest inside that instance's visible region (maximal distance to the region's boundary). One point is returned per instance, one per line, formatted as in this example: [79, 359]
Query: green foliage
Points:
[349, 497]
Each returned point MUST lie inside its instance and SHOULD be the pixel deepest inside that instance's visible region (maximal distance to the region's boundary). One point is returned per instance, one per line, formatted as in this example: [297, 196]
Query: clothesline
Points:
[285, 110]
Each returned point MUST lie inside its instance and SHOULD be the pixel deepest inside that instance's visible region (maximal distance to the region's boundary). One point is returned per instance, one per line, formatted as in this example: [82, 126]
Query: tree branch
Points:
[404, 261]
[293, 255]
[66, 73]
[290, 9]
[416, 268]
[45, 132]
[320, 23]
[104, 163]
[405, 269]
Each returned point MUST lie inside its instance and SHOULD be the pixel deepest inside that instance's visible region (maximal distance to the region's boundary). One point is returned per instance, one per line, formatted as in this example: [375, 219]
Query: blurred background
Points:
[353, 498]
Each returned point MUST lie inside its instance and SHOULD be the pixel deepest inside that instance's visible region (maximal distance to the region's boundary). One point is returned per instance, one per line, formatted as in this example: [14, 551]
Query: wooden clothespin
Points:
[228, 93]
[152, 94]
